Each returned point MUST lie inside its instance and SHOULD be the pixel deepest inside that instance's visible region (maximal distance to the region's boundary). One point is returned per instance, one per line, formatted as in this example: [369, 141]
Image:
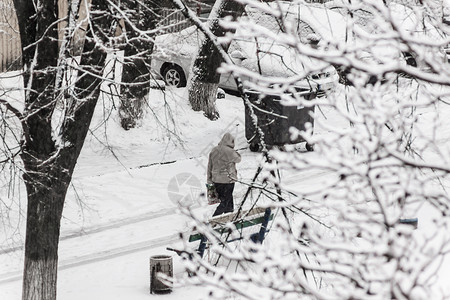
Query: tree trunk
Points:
[46, 193]
[49, 167]
[44, 205]
[137, 60]
[204, 80]
[202, 96]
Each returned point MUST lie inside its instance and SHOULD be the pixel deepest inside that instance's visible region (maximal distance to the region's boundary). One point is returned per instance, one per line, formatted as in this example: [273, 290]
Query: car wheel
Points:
[173, 75]
[309, 147]
[254, 147]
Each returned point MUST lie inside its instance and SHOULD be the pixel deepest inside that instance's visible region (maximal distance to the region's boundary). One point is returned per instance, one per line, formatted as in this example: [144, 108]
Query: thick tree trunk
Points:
[137, 60]
[46, 193]
[202, 96]
[49, 167]
[44, 206]
[204, 80]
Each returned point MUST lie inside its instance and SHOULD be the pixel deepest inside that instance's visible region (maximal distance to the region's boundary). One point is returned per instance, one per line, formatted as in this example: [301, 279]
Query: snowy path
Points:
[100, 228]
[131, 212]
[116, 239]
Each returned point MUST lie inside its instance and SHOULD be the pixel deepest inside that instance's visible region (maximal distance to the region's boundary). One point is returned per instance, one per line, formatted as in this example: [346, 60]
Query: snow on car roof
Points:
[307, 19]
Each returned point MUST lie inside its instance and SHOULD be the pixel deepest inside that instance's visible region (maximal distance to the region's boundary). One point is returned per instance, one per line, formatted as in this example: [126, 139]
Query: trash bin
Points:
[275, 119]
[160, 264]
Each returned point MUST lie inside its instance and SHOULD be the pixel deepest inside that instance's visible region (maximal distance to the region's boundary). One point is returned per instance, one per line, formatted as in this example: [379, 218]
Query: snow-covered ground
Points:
[121, 208]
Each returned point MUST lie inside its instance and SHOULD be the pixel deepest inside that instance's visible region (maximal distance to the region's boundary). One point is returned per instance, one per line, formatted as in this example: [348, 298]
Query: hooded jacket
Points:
[222, 161]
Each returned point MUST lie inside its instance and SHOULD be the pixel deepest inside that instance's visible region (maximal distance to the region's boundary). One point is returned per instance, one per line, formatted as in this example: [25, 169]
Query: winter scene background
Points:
[105, 144]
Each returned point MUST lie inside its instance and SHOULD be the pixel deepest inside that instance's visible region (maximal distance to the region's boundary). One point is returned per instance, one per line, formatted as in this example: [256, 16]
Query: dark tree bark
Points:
[49, 166]
[142, 16]
[205, 79]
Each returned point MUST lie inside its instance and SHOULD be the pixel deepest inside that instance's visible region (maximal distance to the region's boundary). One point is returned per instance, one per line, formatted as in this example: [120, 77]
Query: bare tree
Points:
[348, 211]
[49, 155]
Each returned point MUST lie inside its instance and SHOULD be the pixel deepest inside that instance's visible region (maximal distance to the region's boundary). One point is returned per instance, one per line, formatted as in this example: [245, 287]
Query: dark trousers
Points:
[225, 193]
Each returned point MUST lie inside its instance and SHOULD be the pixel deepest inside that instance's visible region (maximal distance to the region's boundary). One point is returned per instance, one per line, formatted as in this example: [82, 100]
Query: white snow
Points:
[121, 208]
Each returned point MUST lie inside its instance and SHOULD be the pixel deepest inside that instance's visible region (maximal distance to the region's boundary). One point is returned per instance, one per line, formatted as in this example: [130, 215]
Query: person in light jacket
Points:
[222, 172]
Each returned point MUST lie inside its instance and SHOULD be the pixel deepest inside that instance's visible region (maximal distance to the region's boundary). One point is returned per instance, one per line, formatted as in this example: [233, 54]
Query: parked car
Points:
[174, 54]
